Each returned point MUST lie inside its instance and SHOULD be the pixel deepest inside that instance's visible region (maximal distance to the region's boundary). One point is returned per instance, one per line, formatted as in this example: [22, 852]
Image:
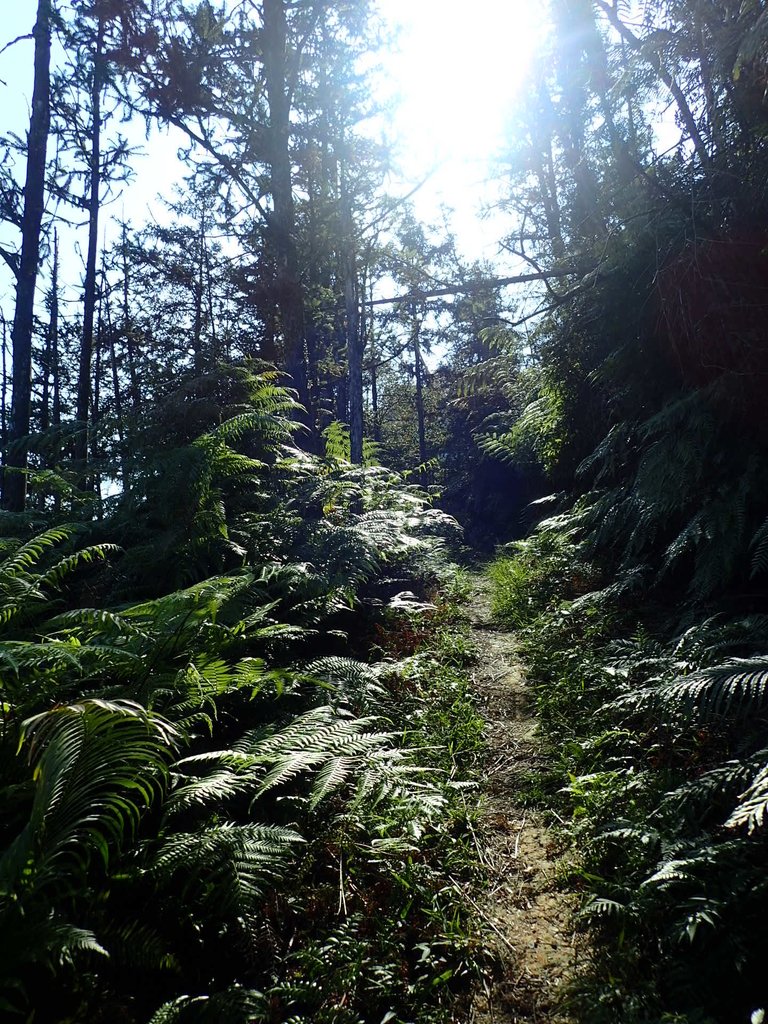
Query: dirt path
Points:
[528, 916]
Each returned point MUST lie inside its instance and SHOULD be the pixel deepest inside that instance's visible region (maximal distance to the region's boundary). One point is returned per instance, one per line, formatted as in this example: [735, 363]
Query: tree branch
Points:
[654, 59]
[12, 259]
[457, 289]
[13, 42]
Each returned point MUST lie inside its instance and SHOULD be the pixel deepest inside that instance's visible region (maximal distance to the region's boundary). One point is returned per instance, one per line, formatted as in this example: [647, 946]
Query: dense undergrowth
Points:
[655, 718]
[244, 798]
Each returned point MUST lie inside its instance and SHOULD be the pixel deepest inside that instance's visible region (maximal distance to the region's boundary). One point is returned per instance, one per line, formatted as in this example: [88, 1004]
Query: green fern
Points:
[354, 682]
[325, 742]
[736, 689]
[97, 766]
[228, 866]
[701, 798]
[759, 544]
[732, 692]
[752, 808]
[235, 1005]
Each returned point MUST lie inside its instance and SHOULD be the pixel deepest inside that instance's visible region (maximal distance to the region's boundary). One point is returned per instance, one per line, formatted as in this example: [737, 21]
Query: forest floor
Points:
[528, 915]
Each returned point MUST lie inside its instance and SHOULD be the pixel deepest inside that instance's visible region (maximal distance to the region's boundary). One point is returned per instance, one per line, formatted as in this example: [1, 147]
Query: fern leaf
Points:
[752, 809]
[760, 550]
[97, 765]
[229, 865]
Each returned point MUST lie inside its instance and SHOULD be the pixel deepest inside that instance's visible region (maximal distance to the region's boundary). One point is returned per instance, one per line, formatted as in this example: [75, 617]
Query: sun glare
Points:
[458, 67]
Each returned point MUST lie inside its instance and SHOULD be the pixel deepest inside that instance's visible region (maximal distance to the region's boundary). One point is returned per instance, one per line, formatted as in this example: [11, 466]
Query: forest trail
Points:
[529, 917]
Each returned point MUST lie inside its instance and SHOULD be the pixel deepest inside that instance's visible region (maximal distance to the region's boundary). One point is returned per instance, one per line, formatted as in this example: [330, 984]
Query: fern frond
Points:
[600, 908]
[97, 766]
[759, 546]
[752, 808]
[354, 681]
[734, 690]
[57, 573]
[235, 1005]
[229, 865]
[314, 742]
[697, 799]
[30, 553]
[209, 781]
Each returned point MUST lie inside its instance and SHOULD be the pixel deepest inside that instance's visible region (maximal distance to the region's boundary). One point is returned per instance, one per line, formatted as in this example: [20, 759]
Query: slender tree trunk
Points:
[116, 384]
[120, 425]
[15, 483]
[55, 367]
[374, 370]
[342, 378]
[419, 374]
[705, 73]
[198, 290]
[545, 170]
[355, 341]
[282, 222]
[135, 391]
[654, 59]
[89, 287]
[210, 308]
[50, 337]
[3, 416]
[355, 362]
[95, 480]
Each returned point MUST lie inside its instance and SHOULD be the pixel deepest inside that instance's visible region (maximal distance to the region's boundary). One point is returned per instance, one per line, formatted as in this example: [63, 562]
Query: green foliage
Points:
[338, 445]
[536, 574]
[658, 737]
[207, 797]
[535, 429]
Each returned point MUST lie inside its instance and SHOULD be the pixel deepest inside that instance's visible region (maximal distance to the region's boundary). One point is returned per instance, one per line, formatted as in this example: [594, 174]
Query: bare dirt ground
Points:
[528, 917]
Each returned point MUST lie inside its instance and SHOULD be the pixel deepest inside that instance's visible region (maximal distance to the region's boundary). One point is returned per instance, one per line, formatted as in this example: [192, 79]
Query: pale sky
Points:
[457, 70]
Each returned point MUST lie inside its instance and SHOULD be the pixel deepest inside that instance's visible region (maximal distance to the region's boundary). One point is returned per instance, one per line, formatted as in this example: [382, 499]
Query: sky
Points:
[459, 67]
[456, 69]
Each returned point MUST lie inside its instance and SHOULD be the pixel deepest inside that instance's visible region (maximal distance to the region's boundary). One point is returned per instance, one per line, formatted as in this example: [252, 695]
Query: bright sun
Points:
[458, 67]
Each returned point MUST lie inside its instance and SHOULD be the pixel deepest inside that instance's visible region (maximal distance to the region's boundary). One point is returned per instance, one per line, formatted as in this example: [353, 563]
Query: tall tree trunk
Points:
[133, 376]
[341, 391]
[374, 373]
[655, 61]
[198, 291]
[215, 354]
[95, 479]
[355, 341]
[545, 170]
[282, 222]
[419, 374]
[55, 364]
[355, 362]
[3, 415]
[56, 369]
[51, 337]
[89, 286]
[15, 483]
[120, 424]
[375, 394]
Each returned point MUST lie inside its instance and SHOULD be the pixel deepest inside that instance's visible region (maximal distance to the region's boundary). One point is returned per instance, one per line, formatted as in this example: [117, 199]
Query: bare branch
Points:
[12, 259]
[13, 42]
[472, 286]
[654, 59]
